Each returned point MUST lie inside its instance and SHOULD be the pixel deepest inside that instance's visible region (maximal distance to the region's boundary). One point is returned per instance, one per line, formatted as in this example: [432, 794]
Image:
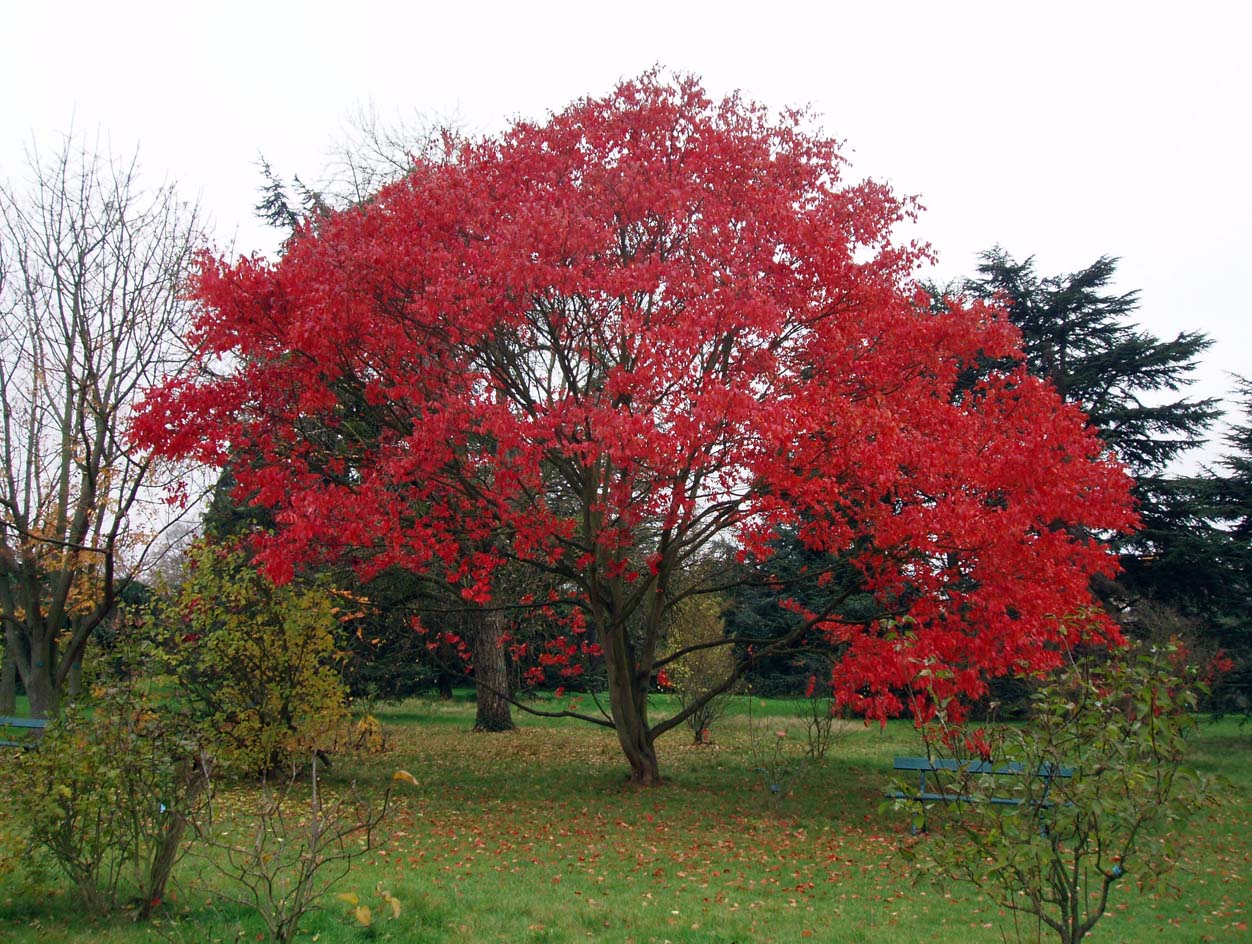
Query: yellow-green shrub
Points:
[108, 793]
[695, 621]
[258, 661]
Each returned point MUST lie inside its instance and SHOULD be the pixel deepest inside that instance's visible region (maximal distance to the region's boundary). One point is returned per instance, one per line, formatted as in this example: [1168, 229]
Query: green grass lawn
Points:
[534, 836]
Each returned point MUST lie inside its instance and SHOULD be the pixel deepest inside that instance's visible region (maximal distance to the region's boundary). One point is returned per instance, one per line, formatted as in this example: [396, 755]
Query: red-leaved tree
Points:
[610, 344]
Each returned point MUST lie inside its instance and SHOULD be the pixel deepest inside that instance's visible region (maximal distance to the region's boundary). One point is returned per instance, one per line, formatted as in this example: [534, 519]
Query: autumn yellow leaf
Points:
[363, 916]
[405, 776]
[393, 901]
[349, 897]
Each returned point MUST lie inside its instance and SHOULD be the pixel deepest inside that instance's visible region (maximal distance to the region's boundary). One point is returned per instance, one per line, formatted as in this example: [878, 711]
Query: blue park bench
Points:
[943, 769]
[21, 732]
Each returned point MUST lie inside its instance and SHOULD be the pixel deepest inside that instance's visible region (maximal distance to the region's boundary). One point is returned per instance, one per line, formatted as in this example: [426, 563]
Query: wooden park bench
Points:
[944, 771]
[21, 732]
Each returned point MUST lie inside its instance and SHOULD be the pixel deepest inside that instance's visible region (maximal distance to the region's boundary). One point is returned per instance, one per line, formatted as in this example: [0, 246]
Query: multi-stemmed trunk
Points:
[628, 698]
[191, 784]
[47, 666]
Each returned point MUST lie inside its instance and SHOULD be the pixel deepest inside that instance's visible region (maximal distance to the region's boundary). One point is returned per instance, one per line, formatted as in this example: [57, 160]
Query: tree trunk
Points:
[190, 786]
[443, 683]
[74, 684]
[8, 684]
[628, 698]
[40, 684]
[491, 675]
[699, 730]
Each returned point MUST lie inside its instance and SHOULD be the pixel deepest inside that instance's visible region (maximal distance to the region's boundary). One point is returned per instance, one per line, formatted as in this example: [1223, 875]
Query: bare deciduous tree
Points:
[91, 268]
[374, 150]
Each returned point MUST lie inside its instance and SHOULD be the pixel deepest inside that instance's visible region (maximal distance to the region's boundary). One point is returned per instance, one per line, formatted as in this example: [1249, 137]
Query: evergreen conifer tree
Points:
[275, 206]
[1235, 488]
[1077, 332]
[1232, 505]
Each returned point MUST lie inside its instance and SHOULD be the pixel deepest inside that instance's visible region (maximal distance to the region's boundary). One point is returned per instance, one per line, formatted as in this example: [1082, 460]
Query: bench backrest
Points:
[929, 764]
[7, 722]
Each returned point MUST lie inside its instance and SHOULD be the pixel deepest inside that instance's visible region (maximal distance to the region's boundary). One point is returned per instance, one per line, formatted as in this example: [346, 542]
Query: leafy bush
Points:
[257, 661]
[108, 793]
[697, 621]
[1121, 726]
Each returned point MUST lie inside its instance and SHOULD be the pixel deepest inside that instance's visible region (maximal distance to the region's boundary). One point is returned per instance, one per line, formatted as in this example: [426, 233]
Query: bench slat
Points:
[23, 722]
[962, 798]
[929, 765]
[927, 793]
[30, 724]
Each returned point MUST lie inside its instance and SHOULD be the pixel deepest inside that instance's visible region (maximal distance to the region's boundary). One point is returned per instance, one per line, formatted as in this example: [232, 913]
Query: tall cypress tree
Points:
[1078, 333]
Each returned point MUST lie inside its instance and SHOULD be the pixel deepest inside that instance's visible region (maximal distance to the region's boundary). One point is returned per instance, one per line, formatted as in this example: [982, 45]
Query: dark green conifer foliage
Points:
[1232, 506]
[1078, 333]
[275, 206]
[1234, 494]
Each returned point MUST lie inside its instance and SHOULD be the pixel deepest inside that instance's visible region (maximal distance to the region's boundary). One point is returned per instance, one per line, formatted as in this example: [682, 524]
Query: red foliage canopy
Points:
[602, 344]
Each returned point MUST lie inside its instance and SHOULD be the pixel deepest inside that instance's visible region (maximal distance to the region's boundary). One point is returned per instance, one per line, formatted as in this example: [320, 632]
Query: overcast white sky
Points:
[1060, 129]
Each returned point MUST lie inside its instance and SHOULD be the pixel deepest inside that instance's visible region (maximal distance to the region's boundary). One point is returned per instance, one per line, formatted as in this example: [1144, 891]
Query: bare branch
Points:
[92, 271]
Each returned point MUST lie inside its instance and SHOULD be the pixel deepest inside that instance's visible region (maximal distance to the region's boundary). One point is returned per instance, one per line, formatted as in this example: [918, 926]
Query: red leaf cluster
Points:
[600, 344]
